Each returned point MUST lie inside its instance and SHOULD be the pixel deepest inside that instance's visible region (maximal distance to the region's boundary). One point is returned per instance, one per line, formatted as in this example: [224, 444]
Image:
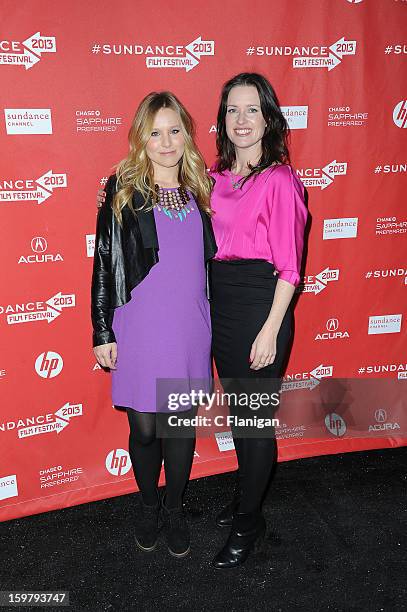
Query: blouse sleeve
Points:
[288, 216]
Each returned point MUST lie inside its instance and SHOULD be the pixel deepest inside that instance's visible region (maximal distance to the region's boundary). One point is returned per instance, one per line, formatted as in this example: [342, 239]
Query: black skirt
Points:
[242, 295]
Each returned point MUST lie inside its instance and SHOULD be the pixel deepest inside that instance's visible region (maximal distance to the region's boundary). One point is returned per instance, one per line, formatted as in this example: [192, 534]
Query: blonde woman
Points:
[150, 311]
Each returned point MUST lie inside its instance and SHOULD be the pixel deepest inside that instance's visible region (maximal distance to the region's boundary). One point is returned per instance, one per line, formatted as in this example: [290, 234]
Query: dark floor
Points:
[337, 541]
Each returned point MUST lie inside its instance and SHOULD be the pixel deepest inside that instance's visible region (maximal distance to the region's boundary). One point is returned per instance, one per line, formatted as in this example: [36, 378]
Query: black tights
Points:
[147, 452]
[256, 458]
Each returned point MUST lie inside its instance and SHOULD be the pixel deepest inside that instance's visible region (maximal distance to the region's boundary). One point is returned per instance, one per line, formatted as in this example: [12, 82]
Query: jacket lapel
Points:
[210, 247]
[146, 223]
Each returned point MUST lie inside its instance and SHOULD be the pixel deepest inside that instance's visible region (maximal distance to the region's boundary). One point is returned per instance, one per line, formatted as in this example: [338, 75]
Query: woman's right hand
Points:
[100, 198]
[106, 354]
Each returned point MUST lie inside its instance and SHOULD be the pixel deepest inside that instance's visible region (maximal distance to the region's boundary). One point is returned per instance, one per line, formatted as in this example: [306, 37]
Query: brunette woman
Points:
[258, 221]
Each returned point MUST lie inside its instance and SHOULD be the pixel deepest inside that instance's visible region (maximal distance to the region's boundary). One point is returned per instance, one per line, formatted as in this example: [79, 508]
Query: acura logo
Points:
[332, 324]
[380, 415]
[39, 244]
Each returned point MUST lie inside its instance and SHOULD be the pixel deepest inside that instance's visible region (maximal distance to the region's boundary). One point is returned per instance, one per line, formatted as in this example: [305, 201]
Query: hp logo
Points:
[400, 114]
[49, 364]
[118, 462]
[335, 424]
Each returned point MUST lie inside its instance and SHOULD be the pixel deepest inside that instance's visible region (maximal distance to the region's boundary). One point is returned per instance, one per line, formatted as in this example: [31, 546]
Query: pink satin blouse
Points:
[263, 220]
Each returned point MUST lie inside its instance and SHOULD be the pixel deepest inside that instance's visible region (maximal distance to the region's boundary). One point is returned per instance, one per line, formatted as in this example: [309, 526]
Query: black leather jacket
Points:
[124, 255]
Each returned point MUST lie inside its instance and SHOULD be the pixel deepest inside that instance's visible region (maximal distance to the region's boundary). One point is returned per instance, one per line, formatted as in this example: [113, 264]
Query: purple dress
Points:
[165, 331]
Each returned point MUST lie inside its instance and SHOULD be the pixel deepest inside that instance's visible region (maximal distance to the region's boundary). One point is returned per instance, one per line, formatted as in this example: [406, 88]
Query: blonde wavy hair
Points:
[135, 172]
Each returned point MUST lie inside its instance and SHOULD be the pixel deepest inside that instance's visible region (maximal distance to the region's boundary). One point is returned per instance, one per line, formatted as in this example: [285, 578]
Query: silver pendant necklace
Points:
[236, 183]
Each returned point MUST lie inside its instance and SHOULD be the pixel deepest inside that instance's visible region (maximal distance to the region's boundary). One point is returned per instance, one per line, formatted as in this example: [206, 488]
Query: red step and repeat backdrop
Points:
[72, 75]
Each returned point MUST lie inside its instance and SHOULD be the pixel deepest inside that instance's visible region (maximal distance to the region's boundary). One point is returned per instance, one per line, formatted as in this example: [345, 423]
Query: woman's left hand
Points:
[263, 351]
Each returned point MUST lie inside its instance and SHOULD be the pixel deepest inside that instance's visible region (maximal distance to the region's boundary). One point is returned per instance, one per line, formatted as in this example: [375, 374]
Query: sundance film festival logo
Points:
[307, 380]
[28, 52]
[34, 190]
[388, 273]
[395, 49]
[48, 310]
[49, 364]
[43, 423]
[309, 56]
[319, 282]
[118, 462]
[39, 255]
[185, 57]
[385, 368]
[28, 120]
[390, 168]
[400, 114]
[332, 331]
[322, 177]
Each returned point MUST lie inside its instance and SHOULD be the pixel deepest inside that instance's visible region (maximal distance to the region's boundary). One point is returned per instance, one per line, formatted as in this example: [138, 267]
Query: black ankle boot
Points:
[176, 530]
[247, 533]
[225, 517]
[146, 529]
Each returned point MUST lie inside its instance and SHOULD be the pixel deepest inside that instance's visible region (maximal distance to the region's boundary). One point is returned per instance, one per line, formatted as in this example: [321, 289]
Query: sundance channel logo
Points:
[297, 116]
[169, 55]
[346, 227]
[90, 244]
[385, 324]
[8, 486]
[28, 120]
